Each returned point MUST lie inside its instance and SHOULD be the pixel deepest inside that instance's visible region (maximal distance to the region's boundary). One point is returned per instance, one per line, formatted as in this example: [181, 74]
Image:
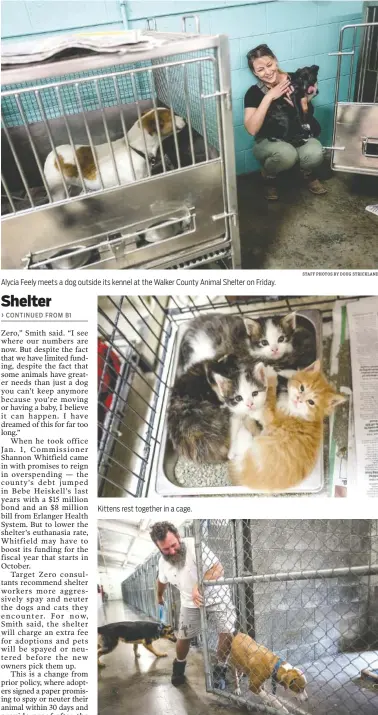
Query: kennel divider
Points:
[355, 136]
[324, 617]
[96, 99]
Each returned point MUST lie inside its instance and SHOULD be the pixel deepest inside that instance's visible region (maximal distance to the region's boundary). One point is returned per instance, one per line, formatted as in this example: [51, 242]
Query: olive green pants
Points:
[277, 156]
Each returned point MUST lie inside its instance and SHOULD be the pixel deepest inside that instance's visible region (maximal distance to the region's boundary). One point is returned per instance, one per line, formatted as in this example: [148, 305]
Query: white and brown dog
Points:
[142, 135]
[260, 664]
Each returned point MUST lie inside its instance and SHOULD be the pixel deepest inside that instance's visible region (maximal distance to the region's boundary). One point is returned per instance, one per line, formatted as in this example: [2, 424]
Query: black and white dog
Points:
[294, 123]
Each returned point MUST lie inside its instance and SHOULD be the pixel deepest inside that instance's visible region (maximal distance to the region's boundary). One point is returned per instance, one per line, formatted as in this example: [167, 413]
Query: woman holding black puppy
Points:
[278, 155]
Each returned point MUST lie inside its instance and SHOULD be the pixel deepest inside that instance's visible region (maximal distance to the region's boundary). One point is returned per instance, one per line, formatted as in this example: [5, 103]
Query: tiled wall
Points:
[298, 32]
[23, 19]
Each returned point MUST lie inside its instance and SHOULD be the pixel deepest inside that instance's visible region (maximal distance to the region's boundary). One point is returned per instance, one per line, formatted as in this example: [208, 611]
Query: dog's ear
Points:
[149, 122]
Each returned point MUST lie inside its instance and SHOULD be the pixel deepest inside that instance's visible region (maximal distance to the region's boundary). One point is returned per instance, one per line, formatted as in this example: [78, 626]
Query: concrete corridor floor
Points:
[129, 686]
[306, 231]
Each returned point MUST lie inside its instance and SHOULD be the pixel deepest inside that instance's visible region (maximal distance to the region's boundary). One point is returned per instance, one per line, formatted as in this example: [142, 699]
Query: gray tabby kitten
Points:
[206, 398]
[281, 341]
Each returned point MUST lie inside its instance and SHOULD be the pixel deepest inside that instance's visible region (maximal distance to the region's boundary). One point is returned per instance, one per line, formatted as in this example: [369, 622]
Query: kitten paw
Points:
[237, 691]
[270, 371]
[272, 379]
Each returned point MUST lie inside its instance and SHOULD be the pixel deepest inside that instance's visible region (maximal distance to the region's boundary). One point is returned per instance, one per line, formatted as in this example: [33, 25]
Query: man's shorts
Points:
[220, 619]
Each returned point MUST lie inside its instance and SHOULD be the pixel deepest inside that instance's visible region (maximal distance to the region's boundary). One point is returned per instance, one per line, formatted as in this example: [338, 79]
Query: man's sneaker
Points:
[219, 677]
[178, 672]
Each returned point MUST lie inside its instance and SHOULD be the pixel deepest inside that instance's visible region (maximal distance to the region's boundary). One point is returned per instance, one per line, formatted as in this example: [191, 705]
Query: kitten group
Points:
[251, 391]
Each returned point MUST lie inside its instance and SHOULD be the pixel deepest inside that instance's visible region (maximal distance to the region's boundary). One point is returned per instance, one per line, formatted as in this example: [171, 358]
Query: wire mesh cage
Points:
[74, 132]
[355, 139]
[139, 591]
[301, 595]
[139, 341]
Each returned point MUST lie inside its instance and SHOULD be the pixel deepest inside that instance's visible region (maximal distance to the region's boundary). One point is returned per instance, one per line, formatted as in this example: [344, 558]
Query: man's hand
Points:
[197, 596]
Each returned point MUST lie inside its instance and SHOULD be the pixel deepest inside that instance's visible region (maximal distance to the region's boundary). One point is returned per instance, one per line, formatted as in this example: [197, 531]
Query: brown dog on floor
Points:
[260, 664]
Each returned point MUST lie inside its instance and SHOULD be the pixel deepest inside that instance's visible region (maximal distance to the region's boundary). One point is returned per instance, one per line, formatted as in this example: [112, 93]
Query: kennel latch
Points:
[365, 143]
[230, 214]
[225, 93]
[335, 148]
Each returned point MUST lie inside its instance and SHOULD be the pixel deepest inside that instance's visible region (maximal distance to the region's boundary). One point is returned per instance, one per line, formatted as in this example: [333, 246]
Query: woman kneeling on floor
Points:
[278, 155]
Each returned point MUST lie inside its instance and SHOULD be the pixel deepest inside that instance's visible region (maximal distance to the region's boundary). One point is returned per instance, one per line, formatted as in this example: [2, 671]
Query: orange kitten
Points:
[287, 449]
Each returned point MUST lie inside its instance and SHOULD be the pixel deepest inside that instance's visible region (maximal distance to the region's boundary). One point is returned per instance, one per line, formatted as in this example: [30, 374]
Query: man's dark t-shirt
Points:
[254, 97]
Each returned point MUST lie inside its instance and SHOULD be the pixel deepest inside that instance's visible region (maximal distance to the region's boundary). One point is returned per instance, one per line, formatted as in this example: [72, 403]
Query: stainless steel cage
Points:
[189, 193]
[307, 591]
[138, 358]
[355, 133]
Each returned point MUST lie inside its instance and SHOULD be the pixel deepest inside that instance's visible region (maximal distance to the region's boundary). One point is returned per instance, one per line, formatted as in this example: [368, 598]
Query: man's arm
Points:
[212, 574]
[160, 592]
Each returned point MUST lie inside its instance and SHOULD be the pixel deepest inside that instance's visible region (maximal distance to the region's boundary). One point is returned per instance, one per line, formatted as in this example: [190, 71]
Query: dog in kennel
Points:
[260, 664]
[111, 159]
[252, 392]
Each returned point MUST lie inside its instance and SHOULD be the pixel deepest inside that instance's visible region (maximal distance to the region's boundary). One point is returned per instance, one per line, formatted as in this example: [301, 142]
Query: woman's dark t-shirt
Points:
[254, 97]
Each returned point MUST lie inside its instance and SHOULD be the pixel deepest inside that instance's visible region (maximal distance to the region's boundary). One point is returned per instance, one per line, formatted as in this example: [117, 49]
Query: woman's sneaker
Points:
[270, 187]
[314, 185]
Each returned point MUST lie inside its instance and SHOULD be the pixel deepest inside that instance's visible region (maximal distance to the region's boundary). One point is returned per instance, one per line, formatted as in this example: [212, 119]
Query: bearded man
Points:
[178, 566]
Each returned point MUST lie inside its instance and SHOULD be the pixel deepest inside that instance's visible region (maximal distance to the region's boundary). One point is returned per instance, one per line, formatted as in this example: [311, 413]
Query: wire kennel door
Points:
[190, 191]
[306, 590]
[137, 364]
[355, 133]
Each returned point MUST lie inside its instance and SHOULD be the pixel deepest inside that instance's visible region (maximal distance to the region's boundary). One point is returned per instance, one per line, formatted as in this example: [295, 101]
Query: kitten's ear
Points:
[260, 372]
[221, 382]
[334, 400]
[315, 367]
[289, 321]
[252, 327]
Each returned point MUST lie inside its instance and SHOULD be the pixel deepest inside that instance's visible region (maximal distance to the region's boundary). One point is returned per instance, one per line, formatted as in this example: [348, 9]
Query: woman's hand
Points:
[282, 89]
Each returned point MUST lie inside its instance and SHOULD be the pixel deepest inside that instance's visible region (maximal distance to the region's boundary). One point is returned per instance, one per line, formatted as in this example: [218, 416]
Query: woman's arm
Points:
[254, 116]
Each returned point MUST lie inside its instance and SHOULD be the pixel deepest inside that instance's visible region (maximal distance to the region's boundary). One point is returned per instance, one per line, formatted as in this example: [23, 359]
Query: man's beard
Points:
[178, 559]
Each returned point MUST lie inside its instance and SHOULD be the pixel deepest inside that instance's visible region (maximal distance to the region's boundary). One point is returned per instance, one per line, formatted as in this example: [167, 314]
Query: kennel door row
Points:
[355, 138]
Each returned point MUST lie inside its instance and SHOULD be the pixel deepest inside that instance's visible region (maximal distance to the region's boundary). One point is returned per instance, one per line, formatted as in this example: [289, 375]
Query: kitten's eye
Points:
[264, 342]
[255, 393]
[238, 398]
[281, 339]
[311, 402]
[301, 388]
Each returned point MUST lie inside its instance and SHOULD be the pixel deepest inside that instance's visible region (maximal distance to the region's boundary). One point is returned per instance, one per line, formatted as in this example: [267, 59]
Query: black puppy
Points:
[292, 123]
[134, 632]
